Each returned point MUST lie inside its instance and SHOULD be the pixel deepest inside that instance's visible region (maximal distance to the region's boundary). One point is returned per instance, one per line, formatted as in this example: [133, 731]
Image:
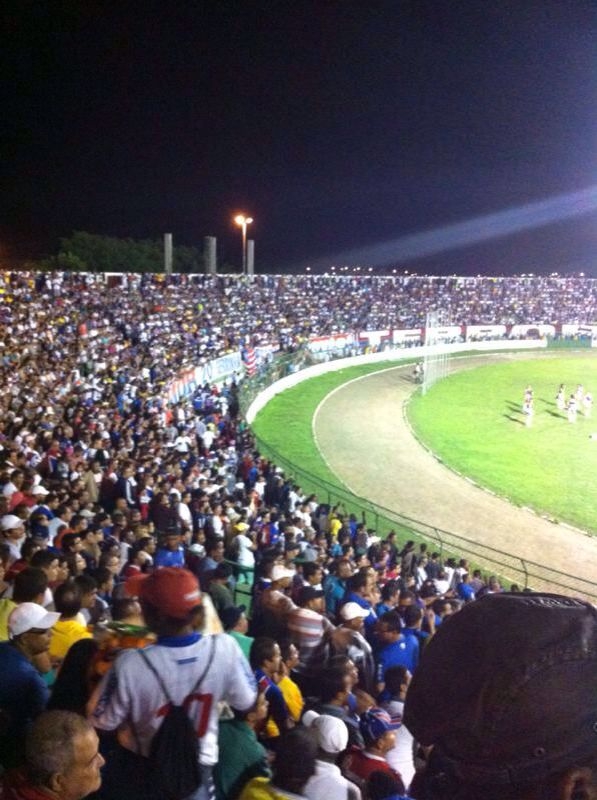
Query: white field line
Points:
[325, 399]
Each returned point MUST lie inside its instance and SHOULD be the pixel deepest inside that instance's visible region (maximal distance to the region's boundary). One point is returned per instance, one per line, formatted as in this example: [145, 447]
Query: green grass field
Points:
[472, 420]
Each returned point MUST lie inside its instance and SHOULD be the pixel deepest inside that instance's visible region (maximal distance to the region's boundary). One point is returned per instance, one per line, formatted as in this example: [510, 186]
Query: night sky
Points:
[336, 125]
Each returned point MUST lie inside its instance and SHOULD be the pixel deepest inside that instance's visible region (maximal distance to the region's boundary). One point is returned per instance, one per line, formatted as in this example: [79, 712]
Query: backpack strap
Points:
[145, 658]
[209, 661]
[156, 674]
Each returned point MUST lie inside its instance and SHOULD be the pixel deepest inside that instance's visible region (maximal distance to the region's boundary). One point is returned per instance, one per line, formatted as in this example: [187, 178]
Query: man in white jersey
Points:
[131, 700]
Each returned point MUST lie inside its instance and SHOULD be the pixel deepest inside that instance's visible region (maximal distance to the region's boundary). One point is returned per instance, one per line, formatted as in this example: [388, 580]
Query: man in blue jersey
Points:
[266, 658]
[171, 552]
[395, 648]
[23, 693]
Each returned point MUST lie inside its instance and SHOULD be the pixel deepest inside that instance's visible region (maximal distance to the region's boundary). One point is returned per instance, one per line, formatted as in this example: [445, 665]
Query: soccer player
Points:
[579, 393]
[528, 394]
[527, 410]
[572, 408]
[588, 404]
[560, 398]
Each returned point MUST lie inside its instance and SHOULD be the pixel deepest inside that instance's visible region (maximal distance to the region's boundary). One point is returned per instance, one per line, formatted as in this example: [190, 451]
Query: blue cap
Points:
[375, 722]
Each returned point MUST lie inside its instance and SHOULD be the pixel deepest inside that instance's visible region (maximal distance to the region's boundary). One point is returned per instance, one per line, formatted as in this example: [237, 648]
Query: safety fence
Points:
[508, 567]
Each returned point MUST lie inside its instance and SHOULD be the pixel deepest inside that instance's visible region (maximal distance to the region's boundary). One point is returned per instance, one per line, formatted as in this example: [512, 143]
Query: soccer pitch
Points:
[473, 421]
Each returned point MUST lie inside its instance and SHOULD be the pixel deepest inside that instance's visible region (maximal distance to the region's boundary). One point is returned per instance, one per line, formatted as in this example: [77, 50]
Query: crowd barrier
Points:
[290, 369]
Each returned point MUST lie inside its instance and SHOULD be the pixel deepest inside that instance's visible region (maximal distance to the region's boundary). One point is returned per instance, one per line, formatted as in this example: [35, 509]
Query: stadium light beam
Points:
[472, 231]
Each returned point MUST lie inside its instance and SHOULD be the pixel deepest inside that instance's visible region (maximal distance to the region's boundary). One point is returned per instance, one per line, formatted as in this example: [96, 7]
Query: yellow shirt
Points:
[293, 697]
[294, 702]
[262, 789]
[335, 526]
[64, 634]
[6, 606]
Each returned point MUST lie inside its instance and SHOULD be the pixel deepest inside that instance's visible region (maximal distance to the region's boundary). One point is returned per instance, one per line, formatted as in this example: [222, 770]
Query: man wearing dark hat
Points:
[199, 672]
[516, 717]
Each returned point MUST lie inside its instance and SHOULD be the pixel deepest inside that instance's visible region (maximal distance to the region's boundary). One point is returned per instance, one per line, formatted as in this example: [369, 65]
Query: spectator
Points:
[401, 756]
[290, 774]
[382, 786]
[334, 585]
[70, 627]
[378, 730]
[61, 760]
[241, 756]
[235, 623]
[332, 738]
[74, 684]
[218, 588]
[464, 590]
[266, 658]
[290, 690]
[395, 649]
[23, 693]
[170, 553]
[29, 586]
[357, 648]
[132, 692]
[518, 720]
[308, 627]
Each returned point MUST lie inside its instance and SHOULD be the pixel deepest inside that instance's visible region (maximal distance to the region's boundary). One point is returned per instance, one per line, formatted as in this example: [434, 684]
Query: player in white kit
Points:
[579, 393]
[527, 410]
[572, 408]
[588, 404]
[561, 398]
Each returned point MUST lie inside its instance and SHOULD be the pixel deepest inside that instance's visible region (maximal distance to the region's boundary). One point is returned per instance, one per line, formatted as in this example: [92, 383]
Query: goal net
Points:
[435, 361]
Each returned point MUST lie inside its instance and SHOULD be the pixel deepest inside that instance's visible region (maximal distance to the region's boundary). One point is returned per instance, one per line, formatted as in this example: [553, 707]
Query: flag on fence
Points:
[248, 356]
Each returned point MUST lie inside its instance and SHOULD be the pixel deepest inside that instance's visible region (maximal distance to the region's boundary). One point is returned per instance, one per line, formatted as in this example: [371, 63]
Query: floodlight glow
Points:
[472, 231]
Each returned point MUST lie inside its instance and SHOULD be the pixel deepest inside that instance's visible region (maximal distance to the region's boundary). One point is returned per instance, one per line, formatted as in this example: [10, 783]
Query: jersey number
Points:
[204, 702]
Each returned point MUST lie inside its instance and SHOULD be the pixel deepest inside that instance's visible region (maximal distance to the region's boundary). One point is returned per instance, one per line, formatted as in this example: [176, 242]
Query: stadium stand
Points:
[133, 506]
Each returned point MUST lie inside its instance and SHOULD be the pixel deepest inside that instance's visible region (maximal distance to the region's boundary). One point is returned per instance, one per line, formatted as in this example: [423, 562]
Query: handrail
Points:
[507, 565]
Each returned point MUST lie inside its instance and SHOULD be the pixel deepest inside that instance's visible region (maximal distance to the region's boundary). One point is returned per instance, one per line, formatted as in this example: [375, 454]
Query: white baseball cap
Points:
[332, 733]
[10, 521]
[39, 490]
[352, 611]
[28, 616]
[279, 572]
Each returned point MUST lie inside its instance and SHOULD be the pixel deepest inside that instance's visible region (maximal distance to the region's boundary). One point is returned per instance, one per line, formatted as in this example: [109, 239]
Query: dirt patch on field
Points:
[362, 434]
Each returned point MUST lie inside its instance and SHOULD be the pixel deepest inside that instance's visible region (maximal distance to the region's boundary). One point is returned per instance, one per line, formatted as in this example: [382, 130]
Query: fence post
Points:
[441, 543]
[526, 573]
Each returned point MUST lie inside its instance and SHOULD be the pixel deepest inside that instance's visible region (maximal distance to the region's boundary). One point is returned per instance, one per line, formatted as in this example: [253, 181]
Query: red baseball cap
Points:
[172, 590]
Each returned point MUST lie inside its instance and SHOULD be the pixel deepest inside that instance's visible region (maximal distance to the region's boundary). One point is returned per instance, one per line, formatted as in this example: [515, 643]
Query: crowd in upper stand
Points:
[129, 530]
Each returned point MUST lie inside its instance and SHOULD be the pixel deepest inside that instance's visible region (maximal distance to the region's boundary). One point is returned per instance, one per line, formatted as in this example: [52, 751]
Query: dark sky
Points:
[337, 125]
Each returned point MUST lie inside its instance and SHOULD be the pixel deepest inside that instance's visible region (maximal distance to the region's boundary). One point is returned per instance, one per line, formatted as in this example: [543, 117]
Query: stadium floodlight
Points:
[243, 221]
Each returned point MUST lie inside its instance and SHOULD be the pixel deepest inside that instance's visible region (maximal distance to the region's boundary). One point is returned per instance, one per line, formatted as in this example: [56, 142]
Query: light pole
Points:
[243, 221]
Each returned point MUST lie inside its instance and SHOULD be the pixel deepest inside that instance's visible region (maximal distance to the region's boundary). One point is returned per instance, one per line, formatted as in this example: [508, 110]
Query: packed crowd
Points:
[128, 529]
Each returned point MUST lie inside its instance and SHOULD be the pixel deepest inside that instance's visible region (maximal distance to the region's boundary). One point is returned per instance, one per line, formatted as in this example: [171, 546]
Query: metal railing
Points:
[509, 567]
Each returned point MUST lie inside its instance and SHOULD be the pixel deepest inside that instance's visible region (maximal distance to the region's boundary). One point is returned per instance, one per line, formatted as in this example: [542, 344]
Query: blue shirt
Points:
[370, 620]
[278, 710]
[403, 652]
[465, 592]
[169, 558]
[23, 695]
[334, 588]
